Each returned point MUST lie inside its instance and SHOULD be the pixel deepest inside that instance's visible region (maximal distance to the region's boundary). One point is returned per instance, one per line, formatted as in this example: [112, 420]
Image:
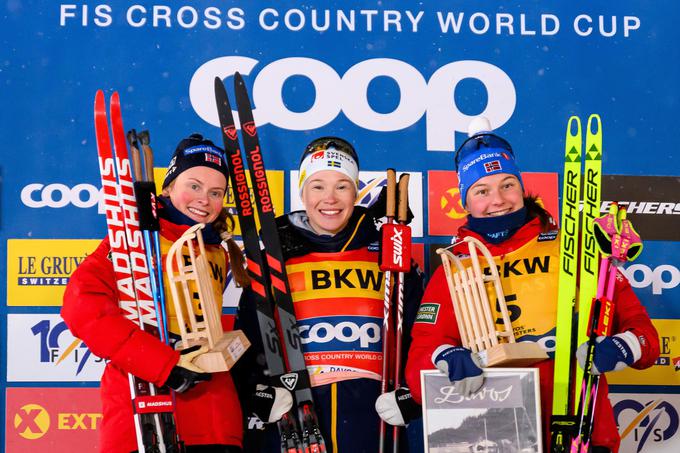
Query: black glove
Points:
[397, 407]
[186, 375]
[270, 403]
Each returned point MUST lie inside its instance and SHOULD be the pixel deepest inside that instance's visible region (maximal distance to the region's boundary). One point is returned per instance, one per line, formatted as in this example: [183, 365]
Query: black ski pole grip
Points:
[145, 193]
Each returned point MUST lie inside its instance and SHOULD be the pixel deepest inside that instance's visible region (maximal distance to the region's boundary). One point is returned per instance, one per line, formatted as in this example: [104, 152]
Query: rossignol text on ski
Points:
[266, 268]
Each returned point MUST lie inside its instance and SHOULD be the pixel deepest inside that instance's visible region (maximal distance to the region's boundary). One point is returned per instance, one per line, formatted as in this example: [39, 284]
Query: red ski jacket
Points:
[209, 413]
[533, 254]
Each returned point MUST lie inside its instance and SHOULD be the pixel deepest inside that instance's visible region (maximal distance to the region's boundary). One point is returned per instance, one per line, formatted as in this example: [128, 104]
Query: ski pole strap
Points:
[144, 186]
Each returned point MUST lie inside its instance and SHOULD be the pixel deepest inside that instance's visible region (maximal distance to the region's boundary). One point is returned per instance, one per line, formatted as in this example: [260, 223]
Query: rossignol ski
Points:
[153, 408]
[578, 269]
[285, 359]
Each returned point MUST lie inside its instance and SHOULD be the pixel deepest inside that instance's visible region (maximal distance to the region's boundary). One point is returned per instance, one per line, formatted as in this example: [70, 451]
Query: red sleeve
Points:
[435, 325]
[630, 315]
[92, 314]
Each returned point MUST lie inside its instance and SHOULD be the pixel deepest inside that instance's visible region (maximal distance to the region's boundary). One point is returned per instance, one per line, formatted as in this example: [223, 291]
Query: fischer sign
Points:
[347, 93]
[57, 195]
[665, 276]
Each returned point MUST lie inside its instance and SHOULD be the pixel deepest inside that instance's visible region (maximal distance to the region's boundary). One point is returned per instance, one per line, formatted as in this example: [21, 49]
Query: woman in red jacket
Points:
[207, 410]
[517, 230]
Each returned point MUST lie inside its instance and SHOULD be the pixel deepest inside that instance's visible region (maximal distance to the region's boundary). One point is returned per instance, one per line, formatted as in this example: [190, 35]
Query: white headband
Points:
[329, 159]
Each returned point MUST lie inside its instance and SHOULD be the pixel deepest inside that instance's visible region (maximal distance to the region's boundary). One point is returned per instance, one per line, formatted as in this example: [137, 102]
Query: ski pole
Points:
[145, 194]
[145, 140]
[624, 245]
[389, 213]
[401, 254]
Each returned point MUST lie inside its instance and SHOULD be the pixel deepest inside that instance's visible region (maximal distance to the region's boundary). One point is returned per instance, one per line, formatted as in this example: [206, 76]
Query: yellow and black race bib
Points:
[338, 299]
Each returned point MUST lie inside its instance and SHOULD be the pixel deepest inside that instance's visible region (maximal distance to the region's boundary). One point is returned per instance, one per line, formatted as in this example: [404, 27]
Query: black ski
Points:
[267, 270]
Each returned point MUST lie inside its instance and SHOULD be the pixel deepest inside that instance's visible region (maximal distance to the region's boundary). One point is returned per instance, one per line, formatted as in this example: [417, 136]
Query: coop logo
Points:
[661, 278]
[51, 351]
[334, 335]
[653, 422]
[347, 93]
[57, 195]
[31, 421]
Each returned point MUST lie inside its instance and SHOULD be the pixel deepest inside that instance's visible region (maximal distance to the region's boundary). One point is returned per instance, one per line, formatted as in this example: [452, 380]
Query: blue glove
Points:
[462, 366]
[611, 353]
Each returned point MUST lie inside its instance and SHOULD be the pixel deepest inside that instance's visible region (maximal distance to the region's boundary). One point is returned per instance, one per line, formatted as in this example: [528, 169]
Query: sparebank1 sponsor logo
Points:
[57, 195]
[52, 350]
[652, 423]
[346, 333]
[347, 93]
[32, 421]
[662, 278]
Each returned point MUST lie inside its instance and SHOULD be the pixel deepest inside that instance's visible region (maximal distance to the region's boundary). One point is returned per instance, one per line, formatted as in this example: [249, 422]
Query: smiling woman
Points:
[331, 255]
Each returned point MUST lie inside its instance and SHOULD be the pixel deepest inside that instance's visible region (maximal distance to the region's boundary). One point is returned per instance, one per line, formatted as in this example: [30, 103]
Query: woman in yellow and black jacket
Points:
[331, 255]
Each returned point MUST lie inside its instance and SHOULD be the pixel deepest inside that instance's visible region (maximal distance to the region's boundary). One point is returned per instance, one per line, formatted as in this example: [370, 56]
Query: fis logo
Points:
[349, 333]
[52, 352]
[646, 425]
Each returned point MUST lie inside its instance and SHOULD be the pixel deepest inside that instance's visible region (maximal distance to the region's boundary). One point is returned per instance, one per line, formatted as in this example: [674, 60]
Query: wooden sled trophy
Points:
[191, 276]
[468, 288]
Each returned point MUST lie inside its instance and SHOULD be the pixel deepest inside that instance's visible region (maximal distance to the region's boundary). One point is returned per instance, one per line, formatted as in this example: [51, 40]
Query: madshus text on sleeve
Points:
[350, 20]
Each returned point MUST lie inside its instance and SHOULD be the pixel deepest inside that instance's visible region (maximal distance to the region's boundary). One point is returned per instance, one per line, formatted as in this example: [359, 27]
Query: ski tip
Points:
[574, 126]
[238, 79]
[115, 98]
[595, 120]
[99, 99]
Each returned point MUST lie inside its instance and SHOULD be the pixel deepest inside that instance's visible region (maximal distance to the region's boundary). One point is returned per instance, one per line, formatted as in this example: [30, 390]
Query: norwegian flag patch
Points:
[213, 159]
[494, 165]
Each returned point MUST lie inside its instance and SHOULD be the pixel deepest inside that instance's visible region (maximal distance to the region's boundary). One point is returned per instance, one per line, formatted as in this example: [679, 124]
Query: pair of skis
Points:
[395, 256]
[578, 266]
[138, 292]
[267, 271]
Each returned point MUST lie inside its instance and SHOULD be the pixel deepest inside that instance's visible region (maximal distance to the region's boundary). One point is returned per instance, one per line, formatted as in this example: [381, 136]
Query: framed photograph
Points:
[504, 416]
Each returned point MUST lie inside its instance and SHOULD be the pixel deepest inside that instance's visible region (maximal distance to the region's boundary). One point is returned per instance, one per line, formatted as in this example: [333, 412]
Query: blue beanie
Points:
[484, 154]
